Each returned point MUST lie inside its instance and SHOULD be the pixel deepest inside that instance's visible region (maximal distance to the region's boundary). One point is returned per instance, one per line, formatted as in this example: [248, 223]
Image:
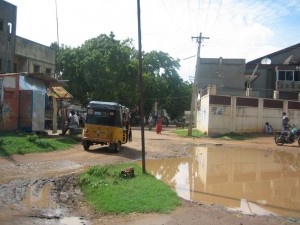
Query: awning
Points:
[54, 86]
[59, 93]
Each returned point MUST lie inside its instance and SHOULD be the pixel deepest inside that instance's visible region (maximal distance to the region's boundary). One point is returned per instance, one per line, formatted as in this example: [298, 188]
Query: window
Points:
[15, 68]
[296, 75]
[281, 75]
[1, 84]
[287, 75]
[36, 68]
[48, 70]
[1, 24]
[8, 68]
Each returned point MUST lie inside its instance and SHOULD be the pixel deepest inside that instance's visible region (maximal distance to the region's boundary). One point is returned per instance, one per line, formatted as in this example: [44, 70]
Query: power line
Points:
[213, 27]
[208, 7]
[189, 57]
[194, 93]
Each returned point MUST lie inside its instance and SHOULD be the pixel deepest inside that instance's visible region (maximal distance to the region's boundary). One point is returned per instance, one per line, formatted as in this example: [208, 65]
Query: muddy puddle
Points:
[250, 181]
[45, 201]
[38, 196]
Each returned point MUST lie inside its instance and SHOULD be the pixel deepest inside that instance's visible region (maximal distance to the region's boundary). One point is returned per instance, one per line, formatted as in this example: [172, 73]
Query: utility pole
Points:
[194, 93]
[141, 87]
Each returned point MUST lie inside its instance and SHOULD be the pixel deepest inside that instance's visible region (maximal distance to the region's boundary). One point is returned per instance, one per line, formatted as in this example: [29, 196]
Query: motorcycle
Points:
[287, 137]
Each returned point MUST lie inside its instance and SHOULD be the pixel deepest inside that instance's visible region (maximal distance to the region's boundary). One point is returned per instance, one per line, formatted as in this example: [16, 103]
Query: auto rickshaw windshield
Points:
[105, 117]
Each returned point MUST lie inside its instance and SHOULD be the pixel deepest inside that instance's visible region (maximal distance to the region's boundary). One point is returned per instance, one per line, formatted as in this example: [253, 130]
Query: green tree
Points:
[101, 69]
[164, 86]
[105, 69]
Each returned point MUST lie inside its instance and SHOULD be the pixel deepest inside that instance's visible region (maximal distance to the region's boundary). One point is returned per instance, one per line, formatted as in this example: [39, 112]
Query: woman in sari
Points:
[159, 125]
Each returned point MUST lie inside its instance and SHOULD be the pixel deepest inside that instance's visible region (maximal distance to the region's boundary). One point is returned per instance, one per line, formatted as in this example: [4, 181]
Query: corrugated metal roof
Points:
[54, 86]
[47, 78]
[59, 92]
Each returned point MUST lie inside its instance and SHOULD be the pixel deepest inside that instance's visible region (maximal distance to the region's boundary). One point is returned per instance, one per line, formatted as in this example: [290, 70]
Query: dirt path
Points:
[40, 188]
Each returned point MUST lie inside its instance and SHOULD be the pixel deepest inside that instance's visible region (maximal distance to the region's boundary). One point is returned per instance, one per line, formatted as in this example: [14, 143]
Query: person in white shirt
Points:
[73, 122]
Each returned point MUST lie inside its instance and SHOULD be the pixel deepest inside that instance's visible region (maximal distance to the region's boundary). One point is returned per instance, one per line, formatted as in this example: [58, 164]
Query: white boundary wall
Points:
[232, 114]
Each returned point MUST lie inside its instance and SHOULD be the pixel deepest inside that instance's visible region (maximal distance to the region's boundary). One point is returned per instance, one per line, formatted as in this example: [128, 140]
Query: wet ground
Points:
[255, 177]
[246, 180]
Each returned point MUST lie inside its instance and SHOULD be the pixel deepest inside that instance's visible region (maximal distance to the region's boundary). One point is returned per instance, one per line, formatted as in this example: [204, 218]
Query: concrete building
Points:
[8, 21]
[240, 98]
[27, 81]
[32, 57]
[280, 79]
[17, 54]
[227, 75]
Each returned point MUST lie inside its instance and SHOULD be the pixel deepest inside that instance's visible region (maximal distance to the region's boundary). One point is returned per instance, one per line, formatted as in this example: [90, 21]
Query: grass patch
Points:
[238, 137]
[231, 136]
[195, 133]
[23, 143]
[109, 193]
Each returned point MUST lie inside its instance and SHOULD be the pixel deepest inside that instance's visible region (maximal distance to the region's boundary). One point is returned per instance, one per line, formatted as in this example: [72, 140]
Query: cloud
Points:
[236, 28]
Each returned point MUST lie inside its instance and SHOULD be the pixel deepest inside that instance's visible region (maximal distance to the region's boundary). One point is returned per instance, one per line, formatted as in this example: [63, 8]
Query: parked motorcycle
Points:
[287, 137]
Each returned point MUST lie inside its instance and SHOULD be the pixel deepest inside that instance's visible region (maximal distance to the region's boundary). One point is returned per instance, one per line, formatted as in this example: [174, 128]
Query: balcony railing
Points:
[287, 85]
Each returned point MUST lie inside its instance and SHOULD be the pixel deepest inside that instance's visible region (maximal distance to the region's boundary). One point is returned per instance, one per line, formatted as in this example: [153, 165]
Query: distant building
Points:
[8, 21]
[226, 75]
[29, 93]
[275, 76]
[32, 57]
[280, 79]
[240, 98]
[18, 54]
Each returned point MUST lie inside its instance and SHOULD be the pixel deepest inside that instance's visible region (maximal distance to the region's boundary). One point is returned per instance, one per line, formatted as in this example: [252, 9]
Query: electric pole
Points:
[141, 87]
[194, 93]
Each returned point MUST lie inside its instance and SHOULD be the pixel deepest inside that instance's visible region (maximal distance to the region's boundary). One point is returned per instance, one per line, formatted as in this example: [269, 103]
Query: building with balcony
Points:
[240, 98]
[280, 79]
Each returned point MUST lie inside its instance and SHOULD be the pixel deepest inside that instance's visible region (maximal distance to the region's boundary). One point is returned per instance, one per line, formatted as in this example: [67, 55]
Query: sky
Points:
[246, 29]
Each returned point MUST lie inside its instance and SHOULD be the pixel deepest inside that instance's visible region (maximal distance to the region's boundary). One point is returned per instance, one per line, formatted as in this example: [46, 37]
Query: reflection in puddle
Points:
[40, 198]
[251, 181]
[73, 221]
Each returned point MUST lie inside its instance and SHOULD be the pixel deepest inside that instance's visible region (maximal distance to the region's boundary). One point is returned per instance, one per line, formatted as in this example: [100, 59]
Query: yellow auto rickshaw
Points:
[106, 123]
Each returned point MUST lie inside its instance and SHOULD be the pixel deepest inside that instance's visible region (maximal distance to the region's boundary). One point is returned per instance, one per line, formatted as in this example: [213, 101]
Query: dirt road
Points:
[41, 188]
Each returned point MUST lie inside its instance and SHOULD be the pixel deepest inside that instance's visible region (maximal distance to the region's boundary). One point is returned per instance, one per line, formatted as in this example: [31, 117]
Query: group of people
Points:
[285, 125]
[158, 122]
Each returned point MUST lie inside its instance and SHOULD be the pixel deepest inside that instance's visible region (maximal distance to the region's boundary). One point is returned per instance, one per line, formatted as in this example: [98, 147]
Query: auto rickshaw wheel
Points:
[117, 147]
[86, 145]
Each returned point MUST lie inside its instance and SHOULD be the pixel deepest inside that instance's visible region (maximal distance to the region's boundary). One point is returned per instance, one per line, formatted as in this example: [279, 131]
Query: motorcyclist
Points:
[286, 127]
[285, 122]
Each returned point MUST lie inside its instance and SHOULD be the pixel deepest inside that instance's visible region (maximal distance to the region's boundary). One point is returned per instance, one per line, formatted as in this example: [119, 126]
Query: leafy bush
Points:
[32, 138]
[44, 144]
